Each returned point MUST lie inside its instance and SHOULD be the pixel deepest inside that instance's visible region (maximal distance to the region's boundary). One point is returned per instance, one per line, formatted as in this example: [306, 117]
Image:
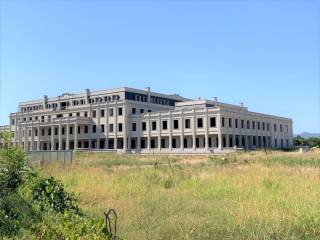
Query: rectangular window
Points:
[281, 130]
[59, 115]
[200, 122]
[86, 129]
[242, 124]
[187, 123]
[62, 130]
[175, 124]
[236, 123]
[248, 124]
[49, 131]
[120, 127]
[154, 125]
[85, 114]
[36, 133]
[268, 127]
[133, 111]
[71, 130]
[102, 113]
[253, 125]
[230, 122]
[94, 128]
[78, 129]
[144, 126]
[275, 127]
[165, 125]
[94, 114]
[70, 114]
[56, 131]
[141, 110]
[102, 128]
[120, 111]
[42, 132]
[78, 114]
[258, 125]
[213, 122]
[263, 126]
[111, 112]
[12, 121]
[111, 128]
[222, 122]
[134, 127]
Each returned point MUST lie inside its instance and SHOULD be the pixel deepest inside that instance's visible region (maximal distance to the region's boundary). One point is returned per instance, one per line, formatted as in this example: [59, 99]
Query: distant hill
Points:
[308, 134]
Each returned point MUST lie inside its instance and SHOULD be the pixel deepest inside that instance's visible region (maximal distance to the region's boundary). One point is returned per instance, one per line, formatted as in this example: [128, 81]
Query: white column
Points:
[219, 133]
[32, 137]
[98, 130]
[159, 133]
[194, 130]
[227, 140]
[60, 136]
[38, 142]
[206, 125]
[182, 131]
[52, 137]
[75, 144]
[170, 130]
[116, 127]
[67, 136]
[106, 128]
[25, 136]
[124, 126]
[149, 133]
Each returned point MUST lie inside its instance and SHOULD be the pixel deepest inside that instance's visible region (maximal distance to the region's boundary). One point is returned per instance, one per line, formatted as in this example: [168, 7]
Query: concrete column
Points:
[220, 141]
[124, 128]
[60, 136]
[98, 127]
[206, 125]
[194, 130]
[32, 137]
[159, 133]
[139, 143]
[38, 142]
[170, 131]
[116, 127]
[52, 137]
[75, 144]
[149, 133]
[219, 133]
[182, 131]
[67, 136]
[106, 128]
[25, 137]
[20, 137]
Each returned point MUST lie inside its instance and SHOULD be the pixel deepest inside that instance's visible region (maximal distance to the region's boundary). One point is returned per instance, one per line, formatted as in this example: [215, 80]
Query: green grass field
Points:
[236, 196]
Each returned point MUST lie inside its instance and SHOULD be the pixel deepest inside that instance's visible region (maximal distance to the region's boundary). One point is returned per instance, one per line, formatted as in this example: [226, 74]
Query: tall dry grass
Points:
[243, 196]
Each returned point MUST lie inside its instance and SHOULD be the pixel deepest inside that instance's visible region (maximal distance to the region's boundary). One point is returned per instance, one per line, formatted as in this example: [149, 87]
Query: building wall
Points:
[105, 120]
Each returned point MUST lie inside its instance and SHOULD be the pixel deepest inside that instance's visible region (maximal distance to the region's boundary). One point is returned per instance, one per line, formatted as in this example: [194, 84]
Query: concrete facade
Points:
[133, 120]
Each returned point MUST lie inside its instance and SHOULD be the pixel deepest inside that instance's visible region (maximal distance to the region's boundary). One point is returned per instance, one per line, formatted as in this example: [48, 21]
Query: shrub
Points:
[50, 193]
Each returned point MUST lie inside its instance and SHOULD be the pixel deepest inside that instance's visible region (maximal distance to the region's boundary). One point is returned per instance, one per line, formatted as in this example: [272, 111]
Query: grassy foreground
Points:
[238, 196]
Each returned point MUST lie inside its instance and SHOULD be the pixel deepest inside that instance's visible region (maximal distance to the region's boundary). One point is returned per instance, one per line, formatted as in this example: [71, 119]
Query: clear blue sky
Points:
[262, 53]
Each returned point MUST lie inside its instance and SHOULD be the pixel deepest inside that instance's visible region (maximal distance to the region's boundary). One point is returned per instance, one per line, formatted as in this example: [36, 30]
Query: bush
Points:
[50, 193]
